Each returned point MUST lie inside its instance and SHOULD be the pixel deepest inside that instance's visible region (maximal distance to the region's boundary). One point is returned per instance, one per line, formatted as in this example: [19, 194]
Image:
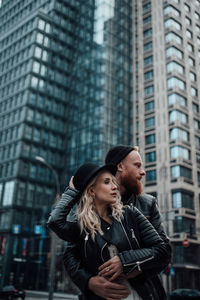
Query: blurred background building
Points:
[77, 77]
[166, 85]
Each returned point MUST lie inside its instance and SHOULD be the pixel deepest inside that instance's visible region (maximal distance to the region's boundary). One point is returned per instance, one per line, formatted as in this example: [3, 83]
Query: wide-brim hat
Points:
[87, 172]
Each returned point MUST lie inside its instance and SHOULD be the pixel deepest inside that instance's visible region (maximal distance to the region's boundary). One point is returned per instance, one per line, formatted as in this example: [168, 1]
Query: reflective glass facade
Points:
[101, 83]
[65, 96]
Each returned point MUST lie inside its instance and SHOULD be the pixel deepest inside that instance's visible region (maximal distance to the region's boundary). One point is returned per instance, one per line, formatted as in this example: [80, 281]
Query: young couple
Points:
[114, 251]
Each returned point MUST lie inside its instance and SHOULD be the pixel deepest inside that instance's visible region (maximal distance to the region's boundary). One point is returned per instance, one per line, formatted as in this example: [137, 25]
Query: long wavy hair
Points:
[87, 214]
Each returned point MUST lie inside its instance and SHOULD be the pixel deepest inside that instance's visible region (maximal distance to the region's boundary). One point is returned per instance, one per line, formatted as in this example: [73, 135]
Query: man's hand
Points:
[112, 268]
[133, 274]
[103, 288]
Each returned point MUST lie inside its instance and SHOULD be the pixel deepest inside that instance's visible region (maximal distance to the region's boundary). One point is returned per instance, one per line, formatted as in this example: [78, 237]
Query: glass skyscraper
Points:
[66, 96]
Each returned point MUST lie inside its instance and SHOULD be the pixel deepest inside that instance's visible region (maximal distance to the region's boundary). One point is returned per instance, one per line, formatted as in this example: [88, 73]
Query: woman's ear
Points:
[91, 191]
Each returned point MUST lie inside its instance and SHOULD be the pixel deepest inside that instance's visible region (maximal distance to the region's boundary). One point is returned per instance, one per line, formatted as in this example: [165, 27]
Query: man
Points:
[129, 175]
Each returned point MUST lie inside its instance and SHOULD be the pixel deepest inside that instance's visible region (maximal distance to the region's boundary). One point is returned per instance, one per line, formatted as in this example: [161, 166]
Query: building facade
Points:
[166, 85]
[66, 97]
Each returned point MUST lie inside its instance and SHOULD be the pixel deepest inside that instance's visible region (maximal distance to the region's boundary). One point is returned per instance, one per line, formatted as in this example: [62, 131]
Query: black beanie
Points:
[117, 154]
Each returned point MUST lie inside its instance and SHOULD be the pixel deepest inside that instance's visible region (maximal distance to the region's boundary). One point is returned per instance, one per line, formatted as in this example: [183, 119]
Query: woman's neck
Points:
[103, 213]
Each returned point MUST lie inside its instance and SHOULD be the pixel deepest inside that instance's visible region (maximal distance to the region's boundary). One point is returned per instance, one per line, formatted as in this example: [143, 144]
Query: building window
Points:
[198, 177]
[171, 10]
[183, 224]
[148, 46]
[188, 21]
[174, 66]
[187, 7]
[197, 16]
[179, 151]
[195, 107]
[179, 133]
[149, 90]
[150, 157]
[148, 75]
[149, 106]
[175, 98]
[172, 23]
[176, 82]
[182, 199]
[176, 115]
[150, 122]
[190, 47]
[197, 142]
[147, 19]
[194, 92]
[180, 171]
[8, 193]
[151, 175]
[147, 6]
[150, 139]
[173, 51]
[191, 61]
[173, 37]
[147, 33]
[189, 34]
[148, 60]
[196, 124]
[193, 76]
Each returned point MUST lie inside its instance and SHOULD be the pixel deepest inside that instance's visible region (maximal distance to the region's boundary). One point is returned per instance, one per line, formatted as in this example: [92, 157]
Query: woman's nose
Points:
[114, 186]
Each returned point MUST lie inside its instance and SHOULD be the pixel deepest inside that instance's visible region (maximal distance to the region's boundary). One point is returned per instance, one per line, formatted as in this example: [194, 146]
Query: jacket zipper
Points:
[134, 237]
[138, 263]
[86, 239]
[126, 235]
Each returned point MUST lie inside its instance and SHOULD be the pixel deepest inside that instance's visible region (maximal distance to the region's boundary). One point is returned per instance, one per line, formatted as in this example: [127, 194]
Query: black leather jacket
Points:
[144, 250]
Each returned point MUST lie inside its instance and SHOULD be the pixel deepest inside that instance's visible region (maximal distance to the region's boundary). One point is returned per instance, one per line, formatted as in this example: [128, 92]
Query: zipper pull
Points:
[138, 265]
[132, 233]
[86, 237]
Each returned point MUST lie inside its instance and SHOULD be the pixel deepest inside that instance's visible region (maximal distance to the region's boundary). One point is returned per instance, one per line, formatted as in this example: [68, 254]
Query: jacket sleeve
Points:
[153, 252]
[156, 220]
[66, 230]
[72, 263]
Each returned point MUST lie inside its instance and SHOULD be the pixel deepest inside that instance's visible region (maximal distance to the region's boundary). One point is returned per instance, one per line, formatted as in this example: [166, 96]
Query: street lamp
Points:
[54, 238]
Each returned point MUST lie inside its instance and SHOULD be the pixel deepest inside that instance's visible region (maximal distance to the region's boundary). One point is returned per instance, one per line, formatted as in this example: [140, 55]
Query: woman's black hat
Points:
[87, 172]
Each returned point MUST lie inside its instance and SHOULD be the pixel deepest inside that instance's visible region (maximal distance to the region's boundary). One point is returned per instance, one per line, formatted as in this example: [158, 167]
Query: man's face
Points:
[131, 172]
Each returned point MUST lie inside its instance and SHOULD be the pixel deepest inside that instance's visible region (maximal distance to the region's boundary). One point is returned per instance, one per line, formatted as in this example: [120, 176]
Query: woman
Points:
[104, 228]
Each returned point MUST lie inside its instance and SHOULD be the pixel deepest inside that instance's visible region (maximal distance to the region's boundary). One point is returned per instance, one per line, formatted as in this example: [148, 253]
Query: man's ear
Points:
[120, 167]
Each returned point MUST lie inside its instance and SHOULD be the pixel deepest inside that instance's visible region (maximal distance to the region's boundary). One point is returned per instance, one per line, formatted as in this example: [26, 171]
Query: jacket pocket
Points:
[137, 264]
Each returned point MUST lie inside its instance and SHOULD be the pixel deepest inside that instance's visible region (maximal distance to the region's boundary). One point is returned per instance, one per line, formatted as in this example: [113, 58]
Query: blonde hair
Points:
[86, 211]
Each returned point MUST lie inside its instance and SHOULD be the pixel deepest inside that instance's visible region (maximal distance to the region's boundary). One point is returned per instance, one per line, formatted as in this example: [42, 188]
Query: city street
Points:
[31, 295]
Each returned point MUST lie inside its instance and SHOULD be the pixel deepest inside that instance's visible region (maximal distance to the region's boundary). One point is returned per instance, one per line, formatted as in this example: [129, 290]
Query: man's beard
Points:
[132, 185]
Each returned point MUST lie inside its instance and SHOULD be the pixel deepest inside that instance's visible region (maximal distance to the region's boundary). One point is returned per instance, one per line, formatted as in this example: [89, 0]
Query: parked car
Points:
[185, 294]
[10, 292]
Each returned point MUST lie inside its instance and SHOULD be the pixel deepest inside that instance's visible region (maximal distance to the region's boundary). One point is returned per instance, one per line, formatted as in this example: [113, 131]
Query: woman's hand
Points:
[112, 268]
[71, 182]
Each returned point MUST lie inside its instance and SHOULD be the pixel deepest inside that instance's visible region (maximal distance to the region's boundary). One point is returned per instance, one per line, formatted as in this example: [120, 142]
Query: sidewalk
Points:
[31, 295]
